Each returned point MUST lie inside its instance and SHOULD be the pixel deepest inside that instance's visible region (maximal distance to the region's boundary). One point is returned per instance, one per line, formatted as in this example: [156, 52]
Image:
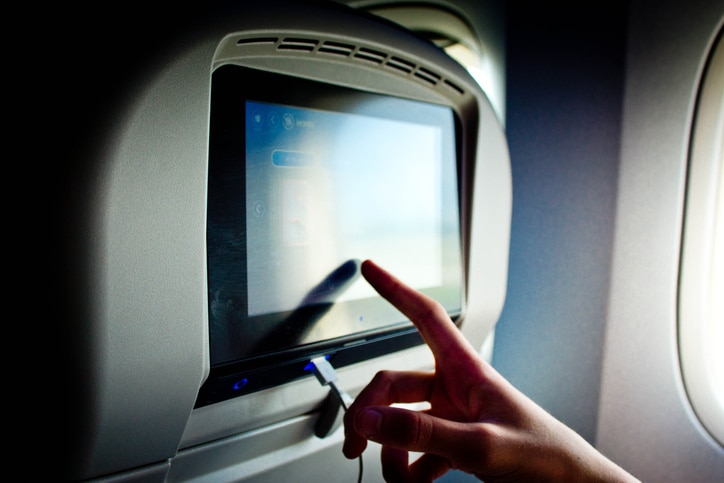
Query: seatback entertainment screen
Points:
[306, 180]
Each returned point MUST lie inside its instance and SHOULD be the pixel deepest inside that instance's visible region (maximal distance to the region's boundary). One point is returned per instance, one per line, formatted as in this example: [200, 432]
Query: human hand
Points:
[477, 421]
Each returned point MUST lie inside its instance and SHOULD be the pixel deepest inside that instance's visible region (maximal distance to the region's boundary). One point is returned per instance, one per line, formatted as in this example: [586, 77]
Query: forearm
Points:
[587, 464]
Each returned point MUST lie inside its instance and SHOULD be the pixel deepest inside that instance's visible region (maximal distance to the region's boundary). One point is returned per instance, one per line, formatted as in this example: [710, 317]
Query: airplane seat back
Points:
[145, 330]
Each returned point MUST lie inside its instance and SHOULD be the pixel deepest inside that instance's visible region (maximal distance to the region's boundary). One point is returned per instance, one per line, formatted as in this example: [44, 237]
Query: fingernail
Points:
[369, 422]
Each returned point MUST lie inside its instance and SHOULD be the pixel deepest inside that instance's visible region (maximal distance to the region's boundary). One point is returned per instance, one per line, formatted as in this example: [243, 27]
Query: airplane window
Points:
[701, 305]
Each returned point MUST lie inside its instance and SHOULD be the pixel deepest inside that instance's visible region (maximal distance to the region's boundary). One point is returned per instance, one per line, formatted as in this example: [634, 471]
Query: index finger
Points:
[430, 317]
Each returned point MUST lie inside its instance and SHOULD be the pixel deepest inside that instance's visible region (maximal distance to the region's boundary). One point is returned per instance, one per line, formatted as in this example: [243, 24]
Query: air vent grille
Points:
[306, 45]
[428, 75]
[351, 53]
[337, 48]
[257, 41]
[371, 55]
[401, 64]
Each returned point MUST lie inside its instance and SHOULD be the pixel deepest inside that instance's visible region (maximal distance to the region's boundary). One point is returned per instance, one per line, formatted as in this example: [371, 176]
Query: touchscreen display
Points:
[323, 188]
[306, 180]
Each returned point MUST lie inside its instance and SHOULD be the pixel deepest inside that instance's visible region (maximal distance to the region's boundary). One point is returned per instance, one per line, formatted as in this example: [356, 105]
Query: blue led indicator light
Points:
[310, 366]
[240, 384]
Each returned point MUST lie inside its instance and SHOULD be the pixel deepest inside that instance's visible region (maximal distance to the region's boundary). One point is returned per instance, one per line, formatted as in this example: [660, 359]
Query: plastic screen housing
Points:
[306, 179]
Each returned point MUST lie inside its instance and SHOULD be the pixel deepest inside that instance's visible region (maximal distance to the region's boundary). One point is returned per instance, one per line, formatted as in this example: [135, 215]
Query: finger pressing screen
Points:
[430, 318]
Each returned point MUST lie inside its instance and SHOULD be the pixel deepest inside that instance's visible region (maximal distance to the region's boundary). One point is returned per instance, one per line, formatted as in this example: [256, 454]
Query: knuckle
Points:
[433, 310]
[423, 432]
[411, 430]
[479, 448]
[383, 377]
[384, 382]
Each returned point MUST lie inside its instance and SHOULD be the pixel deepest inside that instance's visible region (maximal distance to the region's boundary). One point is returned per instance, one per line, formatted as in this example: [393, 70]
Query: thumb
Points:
[410, 430]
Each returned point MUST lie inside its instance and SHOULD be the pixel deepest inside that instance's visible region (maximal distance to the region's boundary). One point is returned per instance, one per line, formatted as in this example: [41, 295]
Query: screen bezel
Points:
[232, 86]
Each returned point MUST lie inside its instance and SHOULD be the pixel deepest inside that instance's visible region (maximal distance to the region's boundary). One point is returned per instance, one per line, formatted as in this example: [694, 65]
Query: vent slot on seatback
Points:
[371, 55]
[337, 48]
[305, 45]
[257, 41]
[351, 53]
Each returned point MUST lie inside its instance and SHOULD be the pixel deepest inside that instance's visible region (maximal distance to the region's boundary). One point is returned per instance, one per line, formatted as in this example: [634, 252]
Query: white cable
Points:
[327, 376]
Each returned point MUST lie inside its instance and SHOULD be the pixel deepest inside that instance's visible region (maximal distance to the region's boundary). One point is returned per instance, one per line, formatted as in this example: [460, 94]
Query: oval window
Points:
[701, 288]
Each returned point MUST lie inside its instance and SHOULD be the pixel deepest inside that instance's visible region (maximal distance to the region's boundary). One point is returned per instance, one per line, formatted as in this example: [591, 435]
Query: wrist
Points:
[595, 467]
